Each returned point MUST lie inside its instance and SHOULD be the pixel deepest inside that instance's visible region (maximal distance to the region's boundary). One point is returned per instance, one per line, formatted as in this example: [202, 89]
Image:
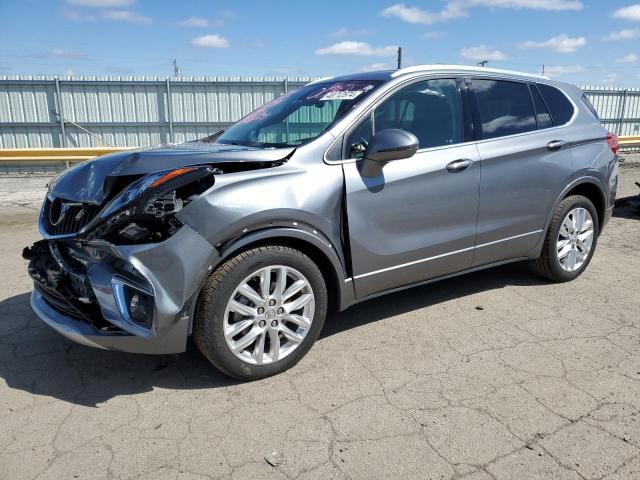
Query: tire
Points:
[215, 315]
[549, 265]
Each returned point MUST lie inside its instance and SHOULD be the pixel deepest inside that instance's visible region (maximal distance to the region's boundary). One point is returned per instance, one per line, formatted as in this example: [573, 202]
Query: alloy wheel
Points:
[575, 239]
[269, 314]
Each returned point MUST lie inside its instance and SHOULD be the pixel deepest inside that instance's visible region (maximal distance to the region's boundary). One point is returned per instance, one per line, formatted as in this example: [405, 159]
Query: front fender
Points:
[301, 234]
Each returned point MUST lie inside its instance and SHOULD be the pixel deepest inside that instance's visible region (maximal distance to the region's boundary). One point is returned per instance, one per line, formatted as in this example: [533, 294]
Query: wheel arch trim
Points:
[586, 180]
[298, 237]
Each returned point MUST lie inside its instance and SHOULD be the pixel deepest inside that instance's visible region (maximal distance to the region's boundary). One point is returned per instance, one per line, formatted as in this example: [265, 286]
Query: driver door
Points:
[417, 219]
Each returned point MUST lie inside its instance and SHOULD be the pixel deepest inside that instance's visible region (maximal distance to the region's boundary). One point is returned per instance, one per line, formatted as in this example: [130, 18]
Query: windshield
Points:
[299, 116]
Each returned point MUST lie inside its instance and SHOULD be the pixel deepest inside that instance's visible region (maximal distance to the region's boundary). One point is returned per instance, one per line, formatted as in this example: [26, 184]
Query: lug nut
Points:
[280, 311]
[272, 302]
[262, 323]
[260, 310]
[274, 324]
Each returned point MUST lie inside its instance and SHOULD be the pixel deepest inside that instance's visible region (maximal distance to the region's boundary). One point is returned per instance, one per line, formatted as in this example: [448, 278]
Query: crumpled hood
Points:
[87, 181]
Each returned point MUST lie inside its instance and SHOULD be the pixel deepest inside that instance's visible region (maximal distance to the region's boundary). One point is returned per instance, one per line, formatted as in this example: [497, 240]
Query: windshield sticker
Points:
[344, 95]
[341, 91]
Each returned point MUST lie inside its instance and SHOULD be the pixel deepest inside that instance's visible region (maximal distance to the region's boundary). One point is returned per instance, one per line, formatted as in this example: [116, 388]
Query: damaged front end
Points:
[117, 269]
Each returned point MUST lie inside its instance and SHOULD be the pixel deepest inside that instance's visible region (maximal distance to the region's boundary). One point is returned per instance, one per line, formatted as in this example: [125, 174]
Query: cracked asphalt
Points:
[494, 375]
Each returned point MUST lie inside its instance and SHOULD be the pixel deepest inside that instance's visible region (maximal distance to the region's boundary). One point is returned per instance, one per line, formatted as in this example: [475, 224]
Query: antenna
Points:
[542, 70]
[399, 58]
[483, 63]
[176, 68]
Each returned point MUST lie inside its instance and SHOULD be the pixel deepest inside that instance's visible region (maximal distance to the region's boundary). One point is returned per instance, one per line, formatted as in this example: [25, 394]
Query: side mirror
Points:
[387, 146]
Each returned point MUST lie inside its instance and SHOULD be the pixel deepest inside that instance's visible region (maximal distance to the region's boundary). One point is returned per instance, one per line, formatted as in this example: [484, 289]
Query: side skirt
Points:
[437, 279]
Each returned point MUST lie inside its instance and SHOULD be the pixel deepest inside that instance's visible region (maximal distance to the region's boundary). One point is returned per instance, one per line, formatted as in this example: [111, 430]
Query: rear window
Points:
[505, 107]
[559, 105]
[590, 106]
[543, 117]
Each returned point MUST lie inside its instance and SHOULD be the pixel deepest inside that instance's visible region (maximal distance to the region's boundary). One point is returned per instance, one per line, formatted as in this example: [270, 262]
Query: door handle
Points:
[556, 145]
[459, 165]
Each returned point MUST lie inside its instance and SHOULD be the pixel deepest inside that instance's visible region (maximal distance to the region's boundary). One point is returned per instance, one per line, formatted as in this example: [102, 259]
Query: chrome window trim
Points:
[375, 101]
[422, 260]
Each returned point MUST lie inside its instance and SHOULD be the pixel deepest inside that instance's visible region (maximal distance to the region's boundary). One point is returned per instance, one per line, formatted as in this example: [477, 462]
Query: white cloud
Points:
[261, 43]
[459, 8]
[631, 58]
[375, 66]
[557, 70]
[69, 55]
[632, 12]
[210, 41]
[481, 53]
[529, 4]
[101, 3]
[560, 44]
[626, 34]
[610, 79]
[355, 48]
[194, 22]
[78, 16]
[417, 15]
[126, 16]
[429, 35]
[345, 32]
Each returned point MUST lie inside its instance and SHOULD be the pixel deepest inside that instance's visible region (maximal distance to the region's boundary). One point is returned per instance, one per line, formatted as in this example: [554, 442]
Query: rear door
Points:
[525, 164]
[417, 219]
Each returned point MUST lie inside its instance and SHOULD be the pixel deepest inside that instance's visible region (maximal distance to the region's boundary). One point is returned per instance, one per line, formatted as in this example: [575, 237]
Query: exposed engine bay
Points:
[98, 212]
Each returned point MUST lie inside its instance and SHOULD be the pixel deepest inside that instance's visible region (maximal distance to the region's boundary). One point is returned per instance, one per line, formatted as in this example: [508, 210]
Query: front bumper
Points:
[173, 271]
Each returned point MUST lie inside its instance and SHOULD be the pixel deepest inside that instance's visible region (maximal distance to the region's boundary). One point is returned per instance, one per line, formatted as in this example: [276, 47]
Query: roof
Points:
[461, 68]
[385, 75]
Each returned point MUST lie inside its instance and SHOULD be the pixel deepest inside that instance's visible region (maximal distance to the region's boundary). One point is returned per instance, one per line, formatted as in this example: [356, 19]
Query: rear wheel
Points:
[261, 311]
[571, 240]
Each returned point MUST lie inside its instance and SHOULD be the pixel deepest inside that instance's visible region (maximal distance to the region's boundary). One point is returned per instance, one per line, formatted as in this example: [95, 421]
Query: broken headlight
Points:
[144, 211]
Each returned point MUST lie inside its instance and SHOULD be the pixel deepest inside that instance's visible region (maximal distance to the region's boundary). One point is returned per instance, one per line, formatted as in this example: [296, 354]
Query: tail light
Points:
[614, 142]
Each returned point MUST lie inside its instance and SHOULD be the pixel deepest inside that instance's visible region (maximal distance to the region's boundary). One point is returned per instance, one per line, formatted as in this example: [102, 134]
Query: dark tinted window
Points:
[559, 105]
[542, 113]
[431, 110]
[505, 107]
[590, 106]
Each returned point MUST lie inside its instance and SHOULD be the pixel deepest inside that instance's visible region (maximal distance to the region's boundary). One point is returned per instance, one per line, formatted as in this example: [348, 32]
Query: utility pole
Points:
[399, 58]
[542, 70]
[176, 68]
[483, 63]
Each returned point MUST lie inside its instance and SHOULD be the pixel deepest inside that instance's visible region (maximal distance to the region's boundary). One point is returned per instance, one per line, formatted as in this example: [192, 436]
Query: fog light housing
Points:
[135, 303]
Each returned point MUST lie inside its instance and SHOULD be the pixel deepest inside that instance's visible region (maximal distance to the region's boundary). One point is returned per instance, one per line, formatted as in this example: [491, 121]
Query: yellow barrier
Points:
[630, 141]
[33, 155]
[72, 155]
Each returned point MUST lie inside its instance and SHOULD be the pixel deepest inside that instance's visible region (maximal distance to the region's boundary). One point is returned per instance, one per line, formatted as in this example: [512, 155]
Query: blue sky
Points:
[580, 41]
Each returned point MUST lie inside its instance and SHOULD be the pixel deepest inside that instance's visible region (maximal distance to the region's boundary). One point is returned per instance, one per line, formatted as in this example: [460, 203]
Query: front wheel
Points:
[260, 312]
[571, 240]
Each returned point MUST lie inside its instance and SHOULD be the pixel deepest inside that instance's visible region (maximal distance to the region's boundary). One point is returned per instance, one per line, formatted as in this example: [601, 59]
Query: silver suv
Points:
[342, 190]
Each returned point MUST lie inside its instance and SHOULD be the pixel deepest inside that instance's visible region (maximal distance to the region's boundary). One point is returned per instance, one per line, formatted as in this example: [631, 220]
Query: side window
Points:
[559, 105]
[505, 107]
[431, 110]
[359, 138]
[590, 106]
[542, 113]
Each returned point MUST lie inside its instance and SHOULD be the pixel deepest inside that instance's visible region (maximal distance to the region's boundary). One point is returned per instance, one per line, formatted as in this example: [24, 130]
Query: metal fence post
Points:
[170, 111]
[63, 137]
[623, 105]
[286, 85]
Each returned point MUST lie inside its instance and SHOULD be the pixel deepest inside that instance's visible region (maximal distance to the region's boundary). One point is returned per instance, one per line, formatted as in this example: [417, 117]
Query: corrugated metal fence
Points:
[142, 111]
[126, 111]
